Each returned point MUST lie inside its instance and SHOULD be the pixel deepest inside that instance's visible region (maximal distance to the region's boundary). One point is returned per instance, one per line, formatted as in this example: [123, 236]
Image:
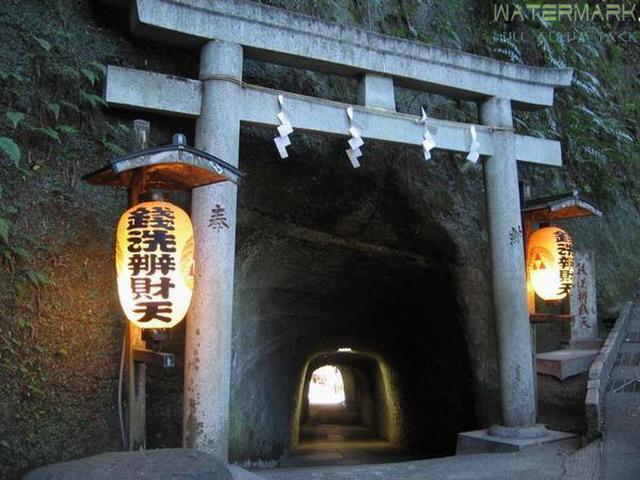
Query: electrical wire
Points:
[120, 379]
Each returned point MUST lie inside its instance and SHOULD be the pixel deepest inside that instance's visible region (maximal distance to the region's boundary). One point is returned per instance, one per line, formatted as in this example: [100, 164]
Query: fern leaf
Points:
[21, 253]
[54, 108]
[17, 77]
[5, 226]
[36, 278]
[46, 46]
[68, 129]
[113, 148]
[49, 132]
[624, 137]
[92, 99]
[9, 148]
[67, 71]
[587, 89]
[90, 75]
[595, 154]
[70, 106]
[99, 67]
[520, 122]
[9, 259]
[587, 83]
[592, 78]
[15, 118]
[548, 52]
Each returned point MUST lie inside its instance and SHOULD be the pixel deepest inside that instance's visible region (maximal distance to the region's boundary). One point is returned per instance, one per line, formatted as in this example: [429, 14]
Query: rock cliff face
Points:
[389, 259]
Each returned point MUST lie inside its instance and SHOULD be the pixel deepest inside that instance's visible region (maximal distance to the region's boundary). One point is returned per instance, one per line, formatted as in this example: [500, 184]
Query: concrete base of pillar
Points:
[240, 473]
[482, 441]
[522, 433]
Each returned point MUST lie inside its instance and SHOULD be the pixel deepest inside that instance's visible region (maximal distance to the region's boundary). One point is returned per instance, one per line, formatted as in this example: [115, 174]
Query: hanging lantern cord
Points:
[120, 378]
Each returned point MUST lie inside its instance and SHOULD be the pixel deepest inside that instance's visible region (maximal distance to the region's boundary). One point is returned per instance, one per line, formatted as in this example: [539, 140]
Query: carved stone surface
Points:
[584, 326]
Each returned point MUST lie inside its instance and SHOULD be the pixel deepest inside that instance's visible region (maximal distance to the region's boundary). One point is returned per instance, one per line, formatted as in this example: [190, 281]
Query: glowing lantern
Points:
[154, 264]
[550, 263]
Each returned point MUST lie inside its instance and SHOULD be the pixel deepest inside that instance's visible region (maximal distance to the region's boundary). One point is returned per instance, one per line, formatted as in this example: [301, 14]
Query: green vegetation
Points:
[50, 121]
[60, 326]
[596, 118]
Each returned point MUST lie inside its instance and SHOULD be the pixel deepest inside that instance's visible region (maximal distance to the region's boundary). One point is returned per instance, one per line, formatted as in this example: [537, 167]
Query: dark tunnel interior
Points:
[374, 274]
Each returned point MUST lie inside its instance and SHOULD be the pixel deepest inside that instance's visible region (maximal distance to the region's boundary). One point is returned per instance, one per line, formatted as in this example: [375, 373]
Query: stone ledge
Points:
[563, 364]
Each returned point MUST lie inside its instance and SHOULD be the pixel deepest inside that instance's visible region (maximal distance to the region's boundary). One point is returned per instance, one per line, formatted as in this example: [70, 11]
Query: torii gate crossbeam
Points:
[159, 93]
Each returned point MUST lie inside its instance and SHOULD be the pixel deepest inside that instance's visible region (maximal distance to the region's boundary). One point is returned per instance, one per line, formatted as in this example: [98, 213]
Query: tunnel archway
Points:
[370, 407]
[370, 269]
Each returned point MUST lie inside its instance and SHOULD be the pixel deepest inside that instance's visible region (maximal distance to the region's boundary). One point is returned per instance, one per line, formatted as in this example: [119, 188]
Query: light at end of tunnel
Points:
[345, 350]
[326, 386]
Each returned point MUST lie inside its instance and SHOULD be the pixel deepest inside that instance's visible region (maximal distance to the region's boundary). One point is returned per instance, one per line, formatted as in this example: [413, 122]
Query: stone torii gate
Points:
[228, 30]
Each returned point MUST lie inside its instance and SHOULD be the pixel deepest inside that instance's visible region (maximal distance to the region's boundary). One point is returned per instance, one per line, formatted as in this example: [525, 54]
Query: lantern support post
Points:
[136, 370]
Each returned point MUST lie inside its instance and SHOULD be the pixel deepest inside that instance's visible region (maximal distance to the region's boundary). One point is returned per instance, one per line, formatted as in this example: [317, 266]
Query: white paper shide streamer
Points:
[428, 143]
[217, 168]
[355, 142]
[474, 153]
[284, 130]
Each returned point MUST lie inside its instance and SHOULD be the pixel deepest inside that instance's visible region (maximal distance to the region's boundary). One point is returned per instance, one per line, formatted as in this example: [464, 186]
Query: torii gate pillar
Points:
[509, 284]
[213, 211]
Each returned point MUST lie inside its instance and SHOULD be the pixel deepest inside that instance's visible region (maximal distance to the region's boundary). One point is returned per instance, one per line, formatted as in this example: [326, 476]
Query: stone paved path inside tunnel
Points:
[330, 444]
[562, 461]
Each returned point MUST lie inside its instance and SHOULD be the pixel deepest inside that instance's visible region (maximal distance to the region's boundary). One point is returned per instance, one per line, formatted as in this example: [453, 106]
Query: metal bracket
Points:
[161, 359]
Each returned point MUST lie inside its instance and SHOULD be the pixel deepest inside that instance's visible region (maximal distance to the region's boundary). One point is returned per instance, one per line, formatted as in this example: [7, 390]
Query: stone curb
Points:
[600, 371]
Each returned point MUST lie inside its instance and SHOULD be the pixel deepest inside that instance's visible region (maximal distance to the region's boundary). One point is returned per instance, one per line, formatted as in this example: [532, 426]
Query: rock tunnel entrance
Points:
[368, 267]
[365, 397]
[345, 413]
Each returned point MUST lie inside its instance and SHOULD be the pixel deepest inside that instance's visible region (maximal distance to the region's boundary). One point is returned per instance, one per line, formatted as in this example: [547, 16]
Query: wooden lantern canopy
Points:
[170, 167]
